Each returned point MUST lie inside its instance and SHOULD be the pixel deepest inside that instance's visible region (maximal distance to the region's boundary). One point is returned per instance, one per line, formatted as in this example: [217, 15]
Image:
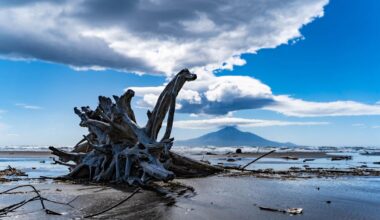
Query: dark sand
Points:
[216, 197]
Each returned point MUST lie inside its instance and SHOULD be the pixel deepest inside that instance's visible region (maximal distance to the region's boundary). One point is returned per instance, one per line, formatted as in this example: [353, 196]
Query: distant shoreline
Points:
[296, 154]
[25, 153]
[290, 154]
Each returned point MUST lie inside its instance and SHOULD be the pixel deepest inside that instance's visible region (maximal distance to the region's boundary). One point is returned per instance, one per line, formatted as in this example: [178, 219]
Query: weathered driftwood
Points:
[117, 149]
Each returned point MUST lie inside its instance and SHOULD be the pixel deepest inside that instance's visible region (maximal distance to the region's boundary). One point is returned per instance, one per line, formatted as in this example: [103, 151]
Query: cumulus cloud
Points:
[242, 122]
[150, 36]
[163, 36]
[221, 95]
[214, 95]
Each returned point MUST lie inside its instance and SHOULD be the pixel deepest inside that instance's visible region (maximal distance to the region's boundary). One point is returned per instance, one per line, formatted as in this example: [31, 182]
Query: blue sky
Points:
[306, 80]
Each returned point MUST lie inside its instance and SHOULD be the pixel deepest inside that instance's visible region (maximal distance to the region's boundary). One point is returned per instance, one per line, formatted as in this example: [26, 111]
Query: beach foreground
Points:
[216, 197]
[223, 196]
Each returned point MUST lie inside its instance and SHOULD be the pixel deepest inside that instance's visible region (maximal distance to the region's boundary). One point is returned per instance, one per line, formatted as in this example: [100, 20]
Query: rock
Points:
[294, 211]
[238, 151]
[341, 158]
[209, 153]
[289, 158]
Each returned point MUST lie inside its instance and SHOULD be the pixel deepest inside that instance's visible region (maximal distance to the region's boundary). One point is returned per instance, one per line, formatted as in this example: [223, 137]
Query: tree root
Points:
[117, 150]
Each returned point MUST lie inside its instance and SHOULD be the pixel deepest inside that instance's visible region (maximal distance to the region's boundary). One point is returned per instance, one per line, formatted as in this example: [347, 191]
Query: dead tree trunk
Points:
[118, 150]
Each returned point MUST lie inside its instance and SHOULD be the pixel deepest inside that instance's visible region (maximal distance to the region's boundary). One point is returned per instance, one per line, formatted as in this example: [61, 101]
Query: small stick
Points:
[119, 203]
[34, 189]
[257, 159]
[13, 207]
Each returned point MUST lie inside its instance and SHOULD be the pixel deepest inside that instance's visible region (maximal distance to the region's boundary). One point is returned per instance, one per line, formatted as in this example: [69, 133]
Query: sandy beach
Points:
[215, 197]
[222, 196]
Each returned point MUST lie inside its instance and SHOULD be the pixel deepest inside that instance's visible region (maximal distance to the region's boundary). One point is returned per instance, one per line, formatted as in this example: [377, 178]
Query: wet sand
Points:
[11, 154]
[216, 197]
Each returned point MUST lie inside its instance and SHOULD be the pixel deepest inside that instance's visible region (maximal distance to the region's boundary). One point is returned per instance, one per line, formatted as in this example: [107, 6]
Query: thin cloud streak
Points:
[243, 122]
[30, 107]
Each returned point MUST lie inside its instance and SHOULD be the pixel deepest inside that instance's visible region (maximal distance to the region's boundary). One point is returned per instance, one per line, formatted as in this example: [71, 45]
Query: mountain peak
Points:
[231, 136]
[229, 128]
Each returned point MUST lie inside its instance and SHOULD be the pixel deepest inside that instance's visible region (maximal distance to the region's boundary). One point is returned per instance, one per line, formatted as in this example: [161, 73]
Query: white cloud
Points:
[243, 122]
[30, 107]
[300, 108]
[201, 25]
[163, 36]
[146, 36]
[221, 95]
[214, 95]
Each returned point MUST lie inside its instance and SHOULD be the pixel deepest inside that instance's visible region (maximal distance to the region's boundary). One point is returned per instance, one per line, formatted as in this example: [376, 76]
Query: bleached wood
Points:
[117, 149]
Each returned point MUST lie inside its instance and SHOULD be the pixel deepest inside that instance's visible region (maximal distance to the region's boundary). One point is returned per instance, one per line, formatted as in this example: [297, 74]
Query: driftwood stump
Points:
[118, 150]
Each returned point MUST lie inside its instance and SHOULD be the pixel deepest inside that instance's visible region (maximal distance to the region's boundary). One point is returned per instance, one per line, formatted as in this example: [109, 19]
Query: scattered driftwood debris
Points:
[116, 149]
[289, 158]
[258, 158]
[10, 172]
[243, 168]
[371, 153]
[307, 173]
[291, 211]
[170, 191]
[13, 207]
[341, 158]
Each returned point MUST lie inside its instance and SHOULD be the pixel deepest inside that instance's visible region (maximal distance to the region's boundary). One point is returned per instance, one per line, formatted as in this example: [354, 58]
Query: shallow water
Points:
[284, 164]
[42, 166]
[34, 166]
[240, 198]
[220, 197]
